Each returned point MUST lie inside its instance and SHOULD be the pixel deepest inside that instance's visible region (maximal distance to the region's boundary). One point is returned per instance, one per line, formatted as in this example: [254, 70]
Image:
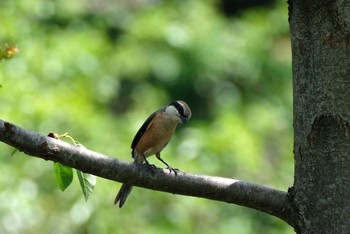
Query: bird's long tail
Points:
[123, 194]
[126, 188]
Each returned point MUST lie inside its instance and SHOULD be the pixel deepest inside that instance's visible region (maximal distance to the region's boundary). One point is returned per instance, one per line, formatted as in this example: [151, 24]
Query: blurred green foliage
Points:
[97, 69]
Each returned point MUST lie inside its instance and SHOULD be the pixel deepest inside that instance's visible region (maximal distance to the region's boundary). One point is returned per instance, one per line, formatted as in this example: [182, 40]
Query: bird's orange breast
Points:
[157, 135]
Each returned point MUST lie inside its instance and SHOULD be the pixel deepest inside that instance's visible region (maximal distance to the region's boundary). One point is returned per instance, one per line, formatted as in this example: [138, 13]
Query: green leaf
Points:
[64, 175]
[87, 183]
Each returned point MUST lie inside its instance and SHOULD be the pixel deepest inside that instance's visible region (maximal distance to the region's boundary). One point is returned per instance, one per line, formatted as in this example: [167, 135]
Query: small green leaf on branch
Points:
[64, 175]
[87, 183]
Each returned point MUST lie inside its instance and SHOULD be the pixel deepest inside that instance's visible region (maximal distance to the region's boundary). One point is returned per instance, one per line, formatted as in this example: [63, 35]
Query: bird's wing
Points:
[142, 130]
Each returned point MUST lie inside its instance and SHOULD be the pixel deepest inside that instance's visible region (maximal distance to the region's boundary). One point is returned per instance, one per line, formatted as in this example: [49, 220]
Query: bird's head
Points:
[179, 110]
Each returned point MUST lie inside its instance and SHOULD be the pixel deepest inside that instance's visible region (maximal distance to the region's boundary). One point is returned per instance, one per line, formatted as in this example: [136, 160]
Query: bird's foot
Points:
[151, 167]
[175, 170]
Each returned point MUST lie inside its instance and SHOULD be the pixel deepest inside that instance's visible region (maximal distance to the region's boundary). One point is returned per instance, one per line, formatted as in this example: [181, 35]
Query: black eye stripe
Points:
[178, 107]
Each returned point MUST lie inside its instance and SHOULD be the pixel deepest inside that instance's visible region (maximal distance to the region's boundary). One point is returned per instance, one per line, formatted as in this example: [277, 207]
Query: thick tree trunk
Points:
[320, 32]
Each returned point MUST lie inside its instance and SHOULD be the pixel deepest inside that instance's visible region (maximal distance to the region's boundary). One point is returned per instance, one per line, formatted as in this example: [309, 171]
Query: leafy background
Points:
[97, 69]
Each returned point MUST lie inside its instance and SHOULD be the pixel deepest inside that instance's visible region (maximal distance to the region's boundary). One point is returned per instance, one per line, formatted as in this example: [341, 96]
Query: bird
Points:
[152, 137]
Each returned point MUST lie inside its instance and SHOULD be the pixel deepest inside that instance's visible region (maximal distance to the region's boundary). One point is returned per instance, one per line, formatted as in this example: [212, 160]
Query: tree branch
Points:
[254, 196]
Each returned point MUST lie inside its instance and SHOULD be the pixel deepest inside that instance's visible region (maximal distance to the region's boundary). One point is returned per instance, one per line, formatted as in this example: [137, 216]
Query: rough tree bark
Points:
[320, 33]
[258, 197]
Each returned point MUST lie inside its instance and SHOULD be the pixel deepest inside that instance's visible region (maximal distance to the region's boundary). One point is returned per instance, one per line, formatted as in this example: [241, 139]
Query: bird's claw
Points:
[151, 167]
[175, 170]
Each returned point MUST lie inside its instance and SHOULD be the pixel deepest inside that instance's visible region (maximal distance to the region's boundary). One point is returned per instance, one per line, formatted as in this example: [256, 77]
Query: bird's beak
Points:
[183, 119]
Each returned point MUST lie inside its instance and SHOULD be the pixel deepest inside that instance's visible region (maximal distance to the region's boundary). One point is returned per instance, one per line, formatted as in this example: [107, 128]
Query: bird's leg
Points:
[151, 167]
[175, 170]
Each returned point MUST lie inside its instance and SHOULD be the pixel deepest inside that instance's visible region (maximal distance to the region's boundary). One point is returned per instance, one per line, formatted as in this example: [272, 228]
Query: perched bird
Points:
[153, 136]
